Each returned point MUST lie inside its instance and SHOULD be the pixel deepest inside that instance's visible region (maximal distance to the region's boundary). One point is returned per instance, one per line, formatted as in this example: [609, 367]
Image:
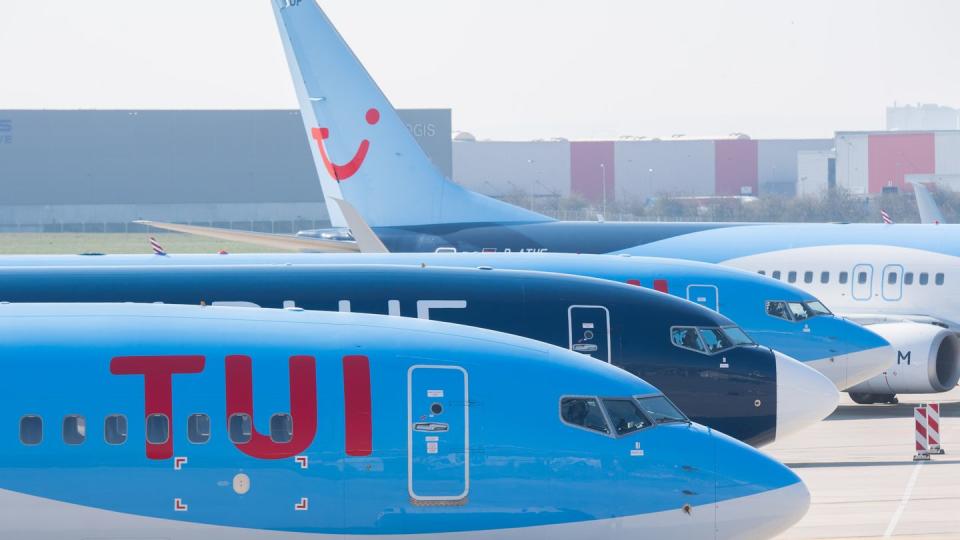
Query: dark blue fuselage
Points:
[738, 398]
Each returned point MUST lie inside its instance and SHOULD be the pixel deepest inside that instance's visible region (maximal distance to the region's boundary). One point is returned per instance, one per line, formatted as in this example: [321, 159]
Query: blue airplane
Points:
[705, 363]
[383, 194]
[803, 328]
[371, 168]
[138, 421]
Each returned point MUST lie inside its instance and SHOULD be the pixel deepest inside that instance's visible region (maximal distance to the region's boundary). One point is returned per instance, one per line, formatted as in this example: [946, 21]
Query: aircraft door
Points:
[438, 435]
[862, 282]
[589, 331]
[892, 282]
[705, 295]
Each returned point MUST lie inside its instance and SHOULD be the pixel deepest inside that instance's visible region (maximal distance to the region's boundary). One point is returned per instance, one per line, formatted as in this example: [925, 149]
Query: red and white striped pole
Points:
[933, 428]
[920, 434]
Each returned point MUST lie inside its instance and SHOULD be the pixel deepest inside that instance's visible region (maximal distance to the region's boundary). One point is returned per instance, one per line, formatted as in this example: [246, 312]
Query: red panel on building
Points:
[735, 167]
[892, 156]
[592, 167]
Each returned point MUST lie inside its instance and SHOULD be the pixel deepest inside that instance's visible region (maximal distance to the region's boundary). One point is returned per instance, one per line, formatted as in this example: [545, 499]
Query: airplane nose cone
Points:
[804, 396]
[757, 496]
[865, 365]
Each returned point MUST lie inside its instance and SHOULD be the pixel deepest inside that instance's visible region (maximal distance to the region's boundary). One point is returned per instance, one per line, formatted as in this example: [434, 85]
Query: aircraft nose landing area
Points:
[804, 396]
[864, 484]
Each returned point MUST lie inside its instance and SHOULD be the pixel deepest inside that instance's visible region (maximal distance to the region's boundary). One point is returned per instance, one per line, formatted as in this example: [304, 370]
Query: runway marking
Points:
[892, 526]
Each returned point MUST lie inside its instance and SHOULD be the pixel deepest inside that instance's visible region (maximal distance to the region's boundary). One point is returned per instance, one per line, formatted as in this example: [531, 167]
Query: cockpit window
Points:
[687, 337]
[796, 311]
[715, 339]
[709, 340]
[737, 336]
[818, 309]
[584, 412]
[625, 415]
[778, 310]
[661, 410]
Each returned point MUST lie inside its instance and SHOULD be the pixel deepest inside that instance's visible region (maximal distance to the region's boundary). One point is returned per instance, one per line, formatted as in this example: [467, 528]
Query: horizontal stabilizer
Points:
[367, 240]
[273, 241]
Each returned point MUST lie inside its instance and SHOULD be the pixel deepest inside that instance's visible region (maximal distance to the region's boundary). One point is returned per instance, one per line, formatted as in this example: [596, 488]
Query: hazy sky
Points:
[512, 69]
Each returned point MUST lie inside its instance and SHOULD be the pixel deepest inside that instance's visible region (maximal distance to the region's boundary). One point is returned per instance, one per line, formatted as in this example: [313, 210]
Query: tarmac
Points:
[858, 465]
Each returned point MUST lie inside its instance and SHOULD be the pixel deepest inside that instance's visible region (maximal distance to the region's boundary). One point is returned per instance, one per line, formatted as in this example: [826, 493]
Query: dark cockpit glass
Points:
[817, 308]
[661, 410]
[715, 340]
[625, 416]
[619, 416]
[583, 412]
[687, 337]
[796, 311]
[709, 340]
[737, 336]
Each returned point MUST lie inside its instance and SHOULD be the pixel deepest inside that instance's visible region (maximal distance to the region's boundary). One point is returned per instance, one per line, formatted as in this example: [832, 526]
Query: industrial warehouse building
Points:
[625, 169]
[93, 170]
[99, 170]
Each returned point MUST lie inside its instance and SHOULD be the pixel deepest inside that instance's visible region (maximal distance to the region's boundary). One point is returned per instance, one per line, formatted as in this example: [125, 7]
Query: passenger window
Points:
[892, 278]
[31, 430]
[924, 278]
[158, 429]
[908, 278]
[762, 272]
[778, 310]
[281, 428]
[115, 429]
[824, 277]
[808, 277]
[687, 338]
[715, 339]
[198, 428]
[792, 277]
[241, 428]
[862, 278]
[843, 278]
[776, 274]
[625, 415]
[939, 279]
[583, 412]
[661, 410]
[74, 429]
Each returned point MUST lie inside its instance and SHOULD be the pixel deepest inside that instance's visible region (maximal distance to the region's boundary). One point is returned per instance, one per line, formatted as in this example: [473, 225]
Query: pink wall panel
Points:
[891, 156]
[736, 166]
[586, 172]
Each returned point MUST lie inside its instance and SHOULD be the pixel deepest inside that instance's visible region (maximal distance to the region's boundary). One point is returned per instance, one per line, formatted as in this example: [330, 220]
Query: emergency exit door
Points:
[438, 435]
[589, 330]
[705, 295]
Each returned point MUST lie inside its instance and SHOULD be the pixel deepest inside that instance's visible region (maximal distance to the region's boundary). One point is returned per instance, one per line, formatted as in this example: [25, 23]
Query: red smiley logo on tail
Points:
[348, 169]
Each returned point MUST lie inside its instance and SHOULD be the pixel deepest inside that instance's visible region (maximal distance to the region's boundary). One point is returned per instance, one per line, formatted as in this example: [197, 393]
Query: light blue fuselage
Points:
[506, 460]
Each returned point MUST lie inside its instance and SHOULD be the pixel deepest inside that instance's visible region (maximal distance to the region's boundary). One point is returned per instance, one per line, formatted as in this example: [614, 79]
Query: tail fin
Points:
[929, 212]
[364, 153]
